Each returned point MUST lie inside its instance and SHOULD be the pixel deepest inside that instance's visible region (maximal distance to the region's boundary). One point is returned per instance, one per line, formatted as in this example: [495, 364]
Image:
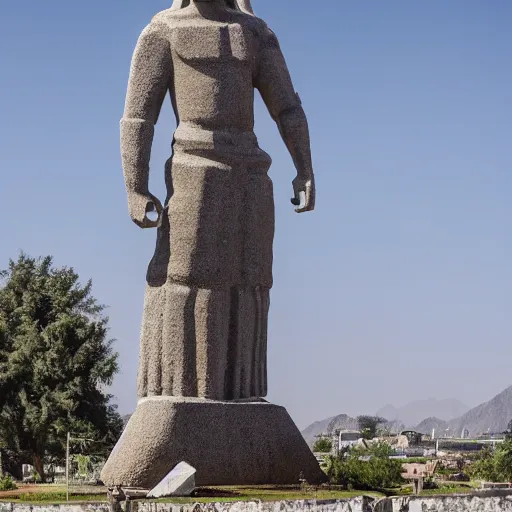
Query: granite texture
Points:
[245, 442]
[204, 331]
[204, 328]
[243, 5]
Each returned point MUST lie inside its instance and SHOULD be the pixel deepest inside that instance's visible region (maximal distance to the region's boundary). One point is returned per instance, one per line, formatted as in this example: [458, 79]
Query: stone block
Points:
[181, 481]
[229, 443]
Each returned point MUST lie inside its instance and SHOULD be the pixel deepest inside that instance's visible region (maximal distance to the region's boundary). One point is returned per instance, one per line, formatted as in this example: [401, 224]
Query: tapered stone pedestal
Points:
[229, 443]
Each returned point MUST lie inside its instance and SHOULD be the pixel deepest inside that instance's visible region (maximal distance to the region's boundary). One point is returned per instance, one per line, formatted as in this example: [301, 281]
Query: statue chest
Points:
[208, 44]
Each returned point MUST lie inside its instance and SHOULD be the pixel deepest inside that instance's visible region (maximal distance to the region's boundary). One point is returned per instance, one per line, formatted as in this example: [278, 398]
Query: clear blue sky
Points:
[398, 287]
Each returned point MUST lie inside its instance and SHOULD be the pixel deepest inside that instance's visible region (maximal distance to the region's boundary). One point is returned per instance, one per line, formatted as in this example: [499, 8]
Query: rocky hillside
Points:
[315, 429]
[398, 418]
[414, 412]
[492, 416]
[342, 421]
[426, 426]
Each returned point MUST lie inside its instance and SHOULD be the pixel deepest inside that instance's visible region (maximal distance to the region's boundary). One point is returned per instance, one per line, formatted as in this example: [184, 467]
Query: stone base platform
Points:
[229, 443]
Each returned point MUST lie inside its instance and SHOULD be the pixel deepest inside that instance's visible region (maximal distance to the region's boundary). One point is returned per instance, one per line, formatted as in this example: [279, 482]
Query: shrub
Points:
[494, 466]
[7, 484]
[322, 445]
[366, 469]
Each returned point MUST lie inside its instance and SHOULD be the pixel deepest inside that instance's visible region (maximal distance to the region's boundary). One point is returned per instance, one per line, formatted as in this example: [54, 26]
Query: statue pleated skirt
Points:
[204, 329]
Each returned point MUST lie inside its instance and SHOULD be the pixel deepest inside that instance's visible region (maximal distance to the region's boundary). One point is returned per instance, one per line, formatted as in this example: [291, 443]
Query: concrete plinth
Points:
[229, 443]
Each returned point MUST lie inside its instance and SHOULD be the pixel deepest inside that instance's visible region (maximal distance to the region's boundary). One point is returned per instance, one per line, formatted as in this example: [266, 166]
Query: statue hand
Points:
[305, 194]
[140, 205]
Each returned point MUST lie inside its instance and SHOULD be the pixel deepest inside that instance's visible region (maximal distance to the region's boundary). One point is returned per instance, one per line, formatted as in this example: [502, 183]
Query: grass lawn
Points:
[452, 488]
[56, 494]
[443, 489]
[44, 494]
[50, 493]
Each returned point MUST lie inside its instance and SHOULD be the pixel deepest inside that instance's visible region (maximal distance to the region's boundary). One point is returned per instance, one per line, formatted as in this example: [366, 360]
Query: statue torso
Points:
[214, 62]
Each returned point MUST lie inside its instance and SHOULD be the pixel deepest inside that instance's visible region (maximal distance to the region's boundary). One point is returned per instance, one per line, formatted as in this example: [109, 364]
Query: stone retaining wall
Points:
[482, 502]
[495, 501]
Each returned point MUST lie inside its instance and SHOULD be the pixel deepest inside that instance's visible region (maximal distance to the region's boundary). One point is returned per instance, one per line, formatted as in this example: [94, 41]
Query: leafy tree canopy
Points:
[508, 432]
[365, 468]
[369, 425]
[322, 445]
[495, 465]
[55, 361]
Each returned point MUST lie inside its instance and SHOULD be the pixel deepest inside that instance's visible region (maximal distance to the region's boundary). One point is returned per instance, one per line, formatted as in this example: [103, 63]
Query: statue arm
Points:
[149, 82]
[275, 85]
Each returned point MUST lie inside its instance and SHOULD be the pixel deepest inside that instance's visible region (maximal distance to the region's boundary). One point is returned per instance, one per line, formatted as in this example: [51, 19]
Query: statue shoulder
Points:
[266, 36]
[157, 34]
[164, 20]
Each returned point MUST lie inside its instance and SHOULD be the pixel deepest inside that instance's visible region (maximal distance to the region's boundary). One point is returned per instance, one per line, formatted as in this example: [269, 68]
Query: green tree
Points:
[503, 461]
[55, 359]
[368, 425]
[322, 445]
[495, 465]
[366, 468]
[508, 432]
[484, 467]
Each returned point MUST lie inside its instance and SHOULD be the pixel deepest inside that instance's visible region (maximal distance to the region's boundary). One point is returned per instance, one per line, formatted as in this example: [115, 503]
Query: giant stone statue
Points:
[202, 371]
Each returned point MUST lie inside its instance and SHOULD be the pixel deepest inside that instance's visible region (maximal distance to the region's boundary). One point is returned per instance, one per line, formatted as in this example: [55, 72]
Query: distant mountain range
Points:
[491, 416]
[415, 412]
[342, 422]
[432, 423]
[315, 429]
[442, 415]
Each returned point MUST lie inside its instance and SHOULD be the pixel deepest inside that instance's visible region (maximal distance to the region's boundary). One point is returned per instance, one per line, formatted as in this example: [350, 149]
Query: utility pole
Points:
[67, 466]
